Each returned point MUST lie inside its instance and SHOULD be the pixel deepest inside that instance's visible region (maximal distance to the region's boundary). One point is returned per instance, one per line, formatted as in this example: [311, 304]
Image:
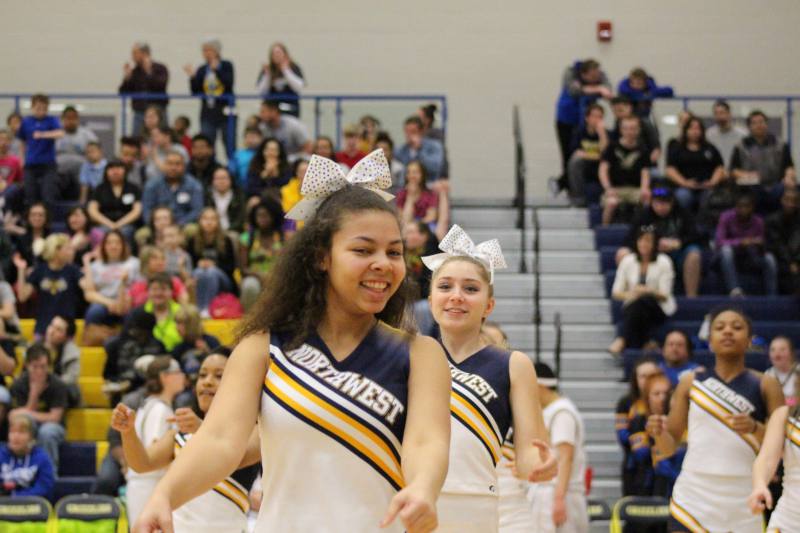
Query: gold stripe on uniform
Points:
[687, 520]
[394, 473]
[793, 431]
[712, 407]
[483, 431]
[488, 429]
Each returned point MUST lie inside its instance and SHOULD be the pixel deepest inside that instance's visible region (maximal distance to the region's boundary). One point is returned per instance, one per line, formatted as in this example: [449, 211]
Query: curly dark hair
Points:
[293, 301]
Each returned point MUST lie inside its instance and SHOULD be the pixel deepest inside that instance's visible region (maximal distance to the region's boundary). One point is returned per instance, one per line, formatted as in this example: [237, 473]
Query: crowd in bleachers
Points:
[720, 221]
[133, 254]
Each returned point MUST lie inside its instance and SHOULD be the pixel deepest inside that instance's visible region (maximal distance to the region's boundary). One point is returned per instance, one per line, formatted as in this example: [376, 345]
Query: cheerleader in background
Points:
[491, 388]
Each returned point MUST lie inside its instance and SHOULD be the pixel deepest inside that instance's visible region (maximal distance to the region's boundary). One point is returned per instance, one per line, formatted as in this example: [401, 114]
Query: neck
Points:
[166, 397]
[784, 366]
[725, 126]
[338, 327]
[462, 344]
[547, 396]
[628, 142]
[728, 368]
[160, 308]
[55, 264]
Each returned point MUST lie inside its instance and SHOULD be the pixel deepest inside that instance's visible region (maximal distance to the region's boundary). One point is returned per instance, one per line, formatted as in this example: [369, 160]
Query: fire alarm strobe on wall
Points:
[604, 31]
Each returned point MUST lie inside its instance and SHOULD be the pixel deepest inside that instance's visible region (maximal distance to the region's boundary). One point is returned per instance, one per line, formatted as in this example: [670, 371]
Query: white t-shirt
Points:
[107, 277]
[151, 424]
[7, 295]
[565, 425]
[787, 380]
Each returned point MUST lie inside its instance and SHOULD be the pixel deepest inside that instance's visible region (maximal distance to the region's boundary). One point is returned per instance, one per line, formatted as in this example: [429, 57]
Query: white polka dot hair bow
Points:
[458, 244]
[324, 177]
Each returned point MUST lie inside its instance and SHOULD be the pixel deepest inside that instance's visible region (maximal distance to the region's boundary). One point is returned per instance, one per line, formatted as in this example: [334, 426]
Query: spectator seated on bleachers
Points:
[763, 164]
[385, 143]
[115, 203]
[415, 201]
[588, 144]
[677, 354]
[429, 152]
[677, 236]
[269, 171]
[624, 171]
[202, 160]
[196, 343]
[9, 319]
[213, 254]
[350, 154]
[92, 170]
[240, 161]
[288, 130]
[227, 198]
[644, 283]
[724, 134]
[71, 147]
[740, 246]
[259, 247]
[784, 366]
[419, 241]
[694, 165]
[648, 136]
[163, 307]
[153, 233]
[108, 274]
[42, 396]
[154, 261]
[65, 356]
[79, 229]
[160, 144]
[180, 131]
[25, 468]
[176, 189]
[55, 281]
[783, 242]
[28, 238]
[291, 194]
[641, 89]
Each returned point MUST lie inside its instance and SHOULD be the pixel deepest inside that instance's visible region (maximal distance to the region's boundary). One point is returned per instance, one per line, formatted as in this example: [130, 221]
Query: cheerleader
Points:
[352, 411]
[782, 439]
[223, 508]
[724, 409]
[491, 387]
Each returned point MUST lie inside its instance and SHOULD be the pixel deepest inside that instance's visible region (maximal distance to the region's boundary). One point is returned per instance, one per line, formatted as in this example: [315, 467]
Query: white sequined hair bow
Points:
[458, 244]
[324, 177]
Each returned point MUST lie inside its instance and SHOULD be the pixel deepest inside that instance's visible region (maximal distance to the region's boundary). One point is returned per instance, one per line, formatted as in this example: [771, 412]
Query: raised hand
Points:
[123, 419]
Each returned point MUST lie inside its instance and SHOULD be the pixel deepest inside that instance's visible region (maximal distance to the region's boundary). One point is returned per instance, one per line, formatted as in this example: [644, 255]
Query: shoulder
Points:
[664, 261]
[520, 364]
[628, 261]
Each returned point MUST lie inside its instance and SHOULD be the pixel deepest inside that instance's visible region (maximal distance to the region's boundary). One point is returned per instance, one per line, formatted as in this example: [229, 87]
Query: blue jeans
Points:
[210, 282]
[99, 314]
[213, 120]
[50, 436]
[750, 257]
[691, 199]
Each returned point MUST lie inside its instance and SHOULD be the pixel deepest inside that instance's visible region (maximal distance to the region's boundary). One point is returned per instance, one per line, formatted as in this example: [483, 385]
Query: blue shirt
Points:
[185, 200]
[240, 164]
[430, 154]
[38, 151]
[30, 475]
[674, 373]
[92, 173]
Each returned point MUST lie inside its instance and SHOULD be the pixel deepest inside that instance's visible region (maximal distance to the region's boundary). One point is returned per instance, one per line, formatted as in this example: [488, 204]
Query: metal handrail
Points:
[557, 347]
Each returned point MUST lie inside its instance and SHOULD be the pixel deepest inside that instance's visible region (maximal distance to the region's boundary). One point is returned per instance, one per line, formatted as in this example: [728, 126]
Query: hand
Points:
[547, 468]
[742, 423]
[794, 268]
[19, 262]
[19, 411]
[214, 63]
[37, 134]
[127, 70]
[759, 500]
[188, 69]
[441, 186]
[123, 419]
[156, 517]
[612, 193]
[656, 425]
[644, 195]
[789, 182]
[605, 92]
[641, 290]
[559, 511]
[691, 184]
[417, 512]
[186, 420]
[205, 263]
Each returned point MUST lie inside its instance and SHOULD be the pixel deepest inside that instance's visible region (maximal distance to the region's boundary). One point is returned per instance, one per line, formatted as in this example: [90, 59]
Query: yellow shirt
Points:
[290, 194]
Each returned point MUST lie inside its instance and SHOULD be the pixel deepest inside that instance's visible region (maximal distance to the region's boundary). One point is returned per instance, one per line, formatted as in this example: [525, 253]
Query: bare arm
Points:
[53, 415]
[132, 215]
[252, 453]
[7, 310]
[430, 215]
[771, 449]
[678, 418]
[94, 213]
[527, 415]
[602, 174]
[7, 363]
[24, 289]
[674, 175]
[51, 134]
[225, 431]
[566, 456]
[154, 457]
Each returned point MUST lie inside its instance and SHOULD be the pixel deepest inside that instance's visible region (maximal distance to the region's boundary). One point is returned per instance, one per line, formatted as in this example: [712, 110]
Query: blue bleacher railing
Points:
[338, 99]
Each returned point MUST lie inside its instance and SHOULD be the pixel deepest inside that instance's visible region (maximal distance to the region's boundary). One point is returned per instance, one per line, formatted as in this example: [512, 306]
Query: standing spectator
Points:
[144, 76]
[724, 134]
[269, 171]
[644, 284]
[677, 352]
[694, 165]
[427, 114]
[763, 163]
[38, 132]
[202, 162]
[784, 366]
[240, 161]
[582, 83]
[227, 198]
[560, 504]
[641, 89]
[677, 237]
[91, 174]
[164, 381]
[180, 128]
[161, 143]
[213, 254]
[429, 152]
[214, 82]
[588, 144]
[116, 204]
[14, 122]
[176, 189]
[783, 241]
[71, 147]
[42, 396]
[281, 80]
[622, 107]
[629, 407]
[65, 356]
[130, 155]
[154, 261]
[79, 229]
[416, 201]
[105, 286]
[349, 155]
[10, 163]
[323, 147]
[287, 129]
[163, 307]
[368, 130]
[25, 468]
[385, 143]
[259, 248]
[624, 171]
[55, 281]
[740, 242]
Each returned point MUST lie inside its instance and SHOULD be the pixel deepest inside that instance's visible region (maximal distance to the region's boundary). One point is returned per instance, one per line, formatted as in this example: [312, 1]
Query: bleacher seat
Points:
[611, 235]
[29, 514]
[758, 308]
[224, 330]
[755, 360]
[91, 513]
[87, 424]
[599, 511]
[92, 394]
[93, 361]
[69, 485]
[644, 511]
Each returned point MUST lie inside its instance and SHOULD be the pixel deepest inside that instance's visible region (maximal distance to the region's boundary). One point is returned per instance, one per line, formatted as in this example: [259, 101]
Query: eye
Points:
[443, 286]
[472, 289]
[395, 253]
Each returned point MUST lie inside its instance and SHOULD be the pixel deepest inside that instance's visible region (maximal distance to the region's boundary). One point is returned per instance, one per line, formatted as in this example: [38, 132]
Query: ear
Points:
[325, 263]
[489, 308]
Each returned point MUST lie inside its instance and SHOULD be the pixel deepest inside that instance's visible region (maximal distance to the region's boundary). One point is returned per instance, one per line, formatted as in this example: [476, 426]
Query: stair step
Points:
[608, 490]
[513, 310]
[509, 237]
[590, 361]
[566, 239]
[569, 262]
[581, 310]
[557, 218]
[593, 396]
[513, 285]
[471, 218]
[572, 286]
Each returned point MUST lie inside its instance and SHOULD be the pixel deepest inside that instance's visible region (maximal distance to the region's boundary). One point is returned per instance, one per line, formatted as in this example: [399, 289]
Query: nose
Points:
[381, 263]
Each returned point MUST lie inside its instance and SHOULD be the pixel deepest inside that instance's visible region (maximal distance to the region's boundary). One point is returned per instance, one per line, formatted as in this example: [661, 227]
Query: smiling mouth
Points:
[379, 286]
[456, 311]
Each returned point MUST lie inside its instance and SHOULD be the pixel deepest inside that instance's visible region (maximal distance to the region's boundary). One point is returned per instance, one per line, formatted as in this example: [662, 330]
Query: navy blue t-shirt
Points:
[38, 151]
[58, 292]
